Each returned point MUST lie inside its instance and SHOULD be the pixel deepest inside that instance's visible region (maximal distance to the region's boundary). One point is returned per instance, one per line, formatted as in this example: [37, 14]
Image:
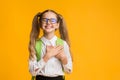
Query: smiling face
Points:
[49, 22]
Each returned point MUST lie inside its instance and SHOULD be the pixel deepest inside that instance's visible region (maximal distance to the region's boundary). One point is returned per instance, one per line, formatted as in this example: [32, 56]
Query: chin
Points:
[49, 31]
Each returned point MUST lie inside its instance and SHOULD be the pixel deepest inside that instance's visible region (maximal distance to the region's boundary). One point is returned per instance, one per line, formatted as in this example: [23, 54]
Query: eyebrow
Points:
[49, 18]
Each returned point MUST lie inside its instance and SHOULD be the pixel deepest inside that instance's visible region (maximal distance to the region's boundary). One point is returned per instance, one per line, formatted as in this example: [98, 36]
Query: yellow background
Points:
[94, 30]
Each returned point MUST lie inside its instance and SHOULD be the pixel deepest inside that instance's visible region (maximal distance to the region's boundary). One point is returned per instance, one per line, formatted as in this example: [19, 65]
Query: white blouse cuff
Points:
[41, 63]
[67, 68]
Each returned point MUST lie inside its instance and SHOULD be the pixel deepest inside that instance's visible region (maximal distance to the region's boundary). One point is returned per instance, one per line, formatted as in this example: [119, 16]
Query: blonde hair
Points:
[36, 25]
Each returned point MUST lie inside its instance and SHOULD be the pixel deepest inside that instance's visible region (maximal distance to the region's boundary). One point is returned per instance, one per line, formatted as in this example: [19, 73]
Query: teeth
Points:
[48, 26]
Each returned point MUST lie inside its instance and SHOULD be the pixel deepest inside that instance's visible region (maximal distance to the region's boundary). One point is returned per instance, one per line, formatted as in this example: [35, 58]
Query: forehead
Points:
[49, 15]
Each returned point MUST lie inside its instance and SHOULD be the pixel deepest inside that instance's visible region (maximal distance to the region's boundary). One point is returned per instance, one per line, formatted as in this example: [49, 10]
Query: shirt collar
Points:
[52, 40]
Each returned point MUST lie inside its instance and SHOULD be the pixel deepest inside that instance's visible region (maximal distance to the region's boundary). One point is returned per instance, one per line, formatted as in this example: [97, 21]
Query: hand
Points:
[62, 57]
[52, 51]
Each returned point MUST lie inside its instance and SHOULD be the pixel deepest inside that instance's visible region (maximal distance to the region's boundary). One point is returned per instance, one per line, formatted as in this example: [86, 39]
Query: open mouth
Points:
[48, 27]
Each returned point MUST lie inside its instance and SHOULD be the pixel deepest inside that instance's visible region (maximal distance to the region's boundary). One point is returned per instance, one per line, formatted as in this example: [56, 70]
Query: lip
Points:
[48, 27]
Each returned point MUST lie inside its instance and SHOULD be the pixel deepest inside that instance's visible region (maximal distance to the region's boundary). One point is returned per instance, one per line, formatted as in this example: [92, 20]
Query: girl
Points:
[54, 59]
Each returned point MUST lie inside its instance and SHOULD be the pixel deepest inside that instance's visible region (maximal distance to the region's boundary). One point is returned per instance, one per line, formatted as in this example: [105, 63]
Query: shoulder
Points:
[63, 42]
[38, 41]
[59, 41]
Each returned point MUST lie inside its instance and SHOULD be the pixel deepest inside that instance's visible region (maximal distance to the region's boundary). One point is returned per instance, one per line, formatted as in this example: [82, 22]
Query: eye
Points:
[44, 19]
[53, 20]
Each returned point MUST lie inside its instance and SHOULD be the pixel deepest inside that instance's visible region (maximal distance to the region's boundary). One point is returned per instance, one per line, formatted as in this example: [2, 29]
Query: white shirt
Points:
[53, 67]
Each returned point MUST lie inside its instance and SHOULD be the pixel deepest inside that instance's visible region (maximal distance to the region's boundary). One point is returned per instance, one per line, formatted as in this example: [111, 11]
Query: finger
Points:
[58, 55]
[59, 48]
[49, 46]
[61, 51]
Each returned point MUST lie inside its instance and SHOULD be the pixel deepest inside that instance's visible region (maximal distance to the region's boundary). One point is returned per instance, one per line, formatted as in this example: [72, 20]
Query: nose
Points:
[48, 21]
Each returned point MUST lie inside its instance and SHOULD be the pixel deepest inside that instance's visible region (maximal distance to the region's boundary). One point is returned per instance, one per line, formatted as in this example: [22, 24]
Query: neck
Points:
[49, 35]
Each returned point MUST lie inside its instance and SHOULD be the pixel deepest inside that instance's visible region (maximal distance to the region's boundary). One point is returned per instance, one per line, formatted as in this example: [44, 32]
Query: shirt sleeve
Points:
[35, 67]
[68, 66]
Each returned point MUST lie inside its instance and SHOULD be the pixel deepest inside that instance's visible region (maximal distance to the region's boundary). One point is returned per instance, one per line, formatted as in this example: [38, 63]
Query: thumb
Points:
[48, 46]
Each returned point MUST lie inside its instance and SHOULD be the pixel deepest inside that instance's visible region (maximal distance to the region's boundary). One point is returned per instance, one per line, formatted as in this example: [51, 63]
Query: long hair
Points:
[36, 25]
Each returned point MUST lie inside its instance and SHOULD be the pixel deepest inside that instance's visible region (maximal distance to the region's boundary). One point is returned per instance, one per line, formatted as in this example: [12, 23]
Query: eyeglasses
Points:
[51, 20]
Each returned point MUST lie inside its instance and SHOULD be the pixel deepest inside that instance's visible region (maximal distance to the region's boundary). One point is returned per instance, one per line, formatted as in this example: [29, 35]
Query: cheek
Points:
[57, 26]
[42, 25]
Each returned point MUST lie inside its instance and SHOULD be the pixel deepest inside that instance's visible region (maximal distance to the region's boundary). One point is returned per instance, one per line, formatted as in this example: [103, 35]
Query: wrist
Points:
[46, 58]
[64, 61]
